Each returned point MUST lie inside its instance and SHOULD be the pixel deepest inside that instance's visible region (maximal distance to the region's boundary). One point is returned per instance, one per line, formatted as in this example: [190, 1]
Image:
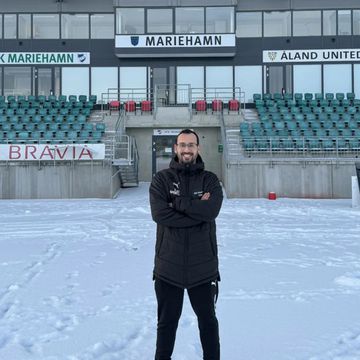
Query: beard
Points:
[187, 158]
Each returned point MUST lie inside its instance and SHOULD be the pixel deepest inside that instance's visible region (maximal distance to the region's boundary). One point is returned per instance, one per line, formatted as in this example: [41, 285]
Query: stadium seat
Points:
[101, 127]
[82, 98]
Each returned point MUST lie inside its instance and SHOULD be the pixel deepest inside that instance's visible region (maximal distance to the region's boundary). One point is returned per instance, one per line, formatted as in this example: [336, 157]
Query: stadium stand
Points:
[49, 119]
[304, 122]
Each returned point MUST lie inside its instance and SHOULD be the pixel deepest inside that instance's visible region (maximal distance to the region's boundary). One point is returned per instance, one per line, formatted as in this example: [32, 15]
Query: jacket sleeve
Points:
[204, 210]
[162, 212]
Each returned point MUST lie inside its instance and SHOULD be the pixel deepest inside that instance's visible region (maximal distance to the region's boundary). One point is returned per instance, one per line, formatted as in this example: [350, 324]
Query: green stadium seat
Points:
[18, 127]
[314, 144]
[101, 126]
[298, 96]
[308, 96]
[52, 98]
[340, 96]
[65, 127]
[329, 96]
[320, 132]
[267, 96]
[82, 98]
[41, 127]
[350, 96]
[59, 119]
[29, 127]
[6, 126]
[319, 96]
[93, 98]
[11, 136]
[84, 135]
[48, 136]
[249, 144]
[62, 98]
[346, 132]
[333, 133]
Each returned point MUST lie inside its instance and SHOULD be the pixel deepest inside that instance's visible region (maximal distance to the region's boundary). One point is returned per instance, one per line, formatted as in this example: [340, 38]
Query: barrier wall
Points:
[295, 179]
[58, 180]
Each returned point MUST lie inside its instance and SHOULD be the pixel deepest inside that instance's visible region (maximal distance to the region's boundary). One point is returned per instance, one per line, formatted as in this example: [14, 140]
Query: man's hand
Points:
[205, 196]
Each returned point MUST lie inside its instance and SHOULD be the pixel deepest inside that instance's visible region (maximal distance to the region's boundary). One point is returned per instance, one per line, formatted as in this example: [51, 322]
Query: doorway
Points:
[163, 85]
[163, 142]
[278, 79]
[46, 81]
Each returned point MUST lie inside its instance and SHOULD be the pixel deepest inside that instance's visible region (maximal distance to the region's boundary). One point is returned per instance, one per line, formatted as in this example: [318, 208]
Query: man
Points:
[185, 200]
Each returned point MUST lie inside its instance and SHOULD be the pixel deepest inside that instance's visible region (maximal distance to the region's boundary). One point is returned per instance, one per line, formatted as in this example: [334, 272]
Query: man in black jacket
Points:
[185, 200]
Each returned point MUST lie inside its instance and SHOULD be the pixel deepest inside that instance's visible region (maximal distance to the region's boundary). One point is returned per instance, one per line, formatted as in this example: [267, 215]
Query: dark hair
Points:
[188, 131]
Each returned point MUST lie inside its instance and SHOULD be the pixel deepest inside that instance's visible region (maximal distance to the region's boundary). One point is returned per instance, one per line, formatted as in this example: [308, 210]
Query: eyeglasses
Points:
[185, 145]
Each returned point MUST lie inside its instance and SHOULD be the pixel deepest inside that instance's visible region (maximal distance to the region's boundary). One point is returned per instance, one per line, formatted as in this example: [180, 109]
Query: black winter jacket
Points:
[186, 246]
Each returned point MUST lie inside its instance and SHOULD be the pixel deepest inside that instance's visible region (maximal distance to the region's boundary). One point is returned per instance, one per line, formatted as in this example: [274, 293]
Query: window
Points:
[103, 78]
[159, 21]
[17, 80]
[218, 78]
[307, 23]
[344, 22]
[248, 24]
[249, 80]
[74, 26]
[277, 23]
[133, 83]
[75, 81]
[329, 22]
[219, 20]
[1, 26]
[24, 26]
[10, 26]
[46, 26]
[356, 22]
[357, 80]
[130, 21]
[102, 26]
[337, 78]
[189, 20]
[307, 79]
[194, 76]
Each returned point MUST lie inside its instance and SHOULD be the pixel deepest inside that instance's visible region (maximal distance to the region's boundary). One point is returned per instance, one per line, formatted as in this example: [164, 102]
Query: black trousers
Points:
[170, 302]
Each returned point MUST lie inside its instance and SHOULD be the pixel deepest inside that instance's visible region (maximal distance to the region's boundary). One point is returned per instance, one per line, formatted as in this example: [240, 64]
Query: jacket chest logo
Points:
[176, 189]
[198, 194]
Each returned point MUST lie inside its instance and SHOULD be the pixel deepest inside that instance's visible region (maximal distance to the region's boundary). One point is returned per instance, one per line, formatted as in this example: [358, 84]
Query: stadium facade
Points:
[174, 53]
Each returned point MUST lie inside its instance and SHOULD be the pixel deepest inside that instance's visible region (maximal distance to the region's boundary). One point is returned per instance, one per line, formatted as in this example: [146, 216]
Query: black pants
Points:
[170, 301]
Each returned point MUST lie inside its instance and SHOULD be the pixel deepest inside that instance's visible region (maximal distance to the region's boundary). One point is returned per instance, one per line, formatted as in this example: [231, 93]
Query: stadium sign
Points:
[175, 41]
[41, 152]
[305, 56]
[44, 58]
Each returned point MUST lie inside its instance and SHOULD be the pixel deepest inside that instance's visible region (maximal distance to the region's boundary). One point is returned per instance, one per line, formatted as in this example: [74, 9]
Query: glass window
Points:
[307, 79]
[17, 80]
[357, 80]
[102, 79]
[1, 26]
[102, 26]
[307, 23]
[132, 83]
[248, 24]
[194, 76]
[9, 26]
[249, 80]
[219, 82]
[74, 26]
[337, 78]
[46, 26]
[219, 20]
[356, 22]
[75, 81]
[24, 26]
[130, 21]
[344, 22]
[329, 22]
[159, 21]
[277, 23]
[189, 20]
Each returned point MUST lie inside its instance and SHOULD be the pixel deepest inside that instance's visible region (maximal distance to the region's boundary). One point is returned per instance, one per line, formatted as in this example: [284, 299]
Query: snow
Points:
[76, 280]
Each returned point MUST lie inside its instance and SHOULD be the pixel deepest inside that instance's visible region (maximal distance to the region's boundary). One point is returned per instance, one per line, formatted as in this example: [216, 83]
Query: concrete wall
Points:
[294, 179]
[63, 180]
[210, 137]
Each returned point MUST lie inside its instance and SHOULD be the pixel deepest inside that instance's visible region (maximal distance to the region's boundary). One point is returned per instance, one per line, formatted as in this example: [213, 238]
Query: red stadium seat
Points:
[146, 106]
[130, 106]
[114, 105]
[234, 105]
[217, 105]
[200, 106]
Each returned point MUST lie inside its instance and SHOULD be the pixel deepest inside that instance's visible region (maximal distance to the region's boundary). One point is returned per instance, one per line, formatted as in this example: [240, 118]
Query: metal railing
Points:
[325, 147]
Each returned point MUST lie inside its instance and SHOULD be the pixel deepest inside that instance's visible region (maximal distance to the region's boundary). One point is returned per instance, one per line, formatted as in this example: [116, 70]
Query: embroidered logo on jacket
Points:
[176, 190]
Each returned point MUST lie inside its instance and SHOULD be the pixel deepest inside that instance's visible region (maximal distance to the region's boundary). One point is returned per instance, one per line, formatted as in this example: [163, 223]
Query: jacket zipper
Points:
[186, 243]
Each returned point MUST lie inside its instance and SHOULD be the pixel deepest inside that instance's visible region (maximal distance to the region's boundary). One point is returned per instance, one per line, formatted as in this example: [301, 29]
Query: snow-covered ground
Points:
[76, 280]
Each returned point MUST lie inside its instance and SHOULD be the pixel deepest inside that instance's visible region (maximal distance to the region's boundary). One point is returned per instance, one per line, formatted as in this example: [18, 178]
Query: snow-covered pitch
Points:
[76, 280]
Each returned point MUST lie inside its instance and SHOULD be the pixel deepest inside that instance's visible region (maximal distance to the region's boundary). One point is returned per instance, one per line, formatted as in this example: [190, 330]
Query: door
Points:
[278, 79]
[46, 81]
[159, 85]
[162, 151]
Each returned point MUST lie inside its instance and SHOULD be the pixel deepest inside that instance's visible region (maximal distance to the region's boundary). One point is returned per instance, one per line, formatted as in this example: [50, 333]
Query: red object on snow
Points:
[272, 195]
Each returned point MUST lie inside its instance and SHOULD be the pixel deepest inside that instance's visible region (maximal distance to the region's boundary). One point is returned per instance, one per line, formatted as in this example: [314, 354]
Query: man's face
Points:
[186, 148]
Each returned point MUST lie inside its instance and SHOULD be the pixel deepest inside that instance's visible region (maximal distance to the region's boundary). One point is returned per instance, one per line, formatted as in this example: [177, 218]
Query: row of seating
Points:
[216, 105]
[50, 98]
[26, 137]
[43, 126]
[130, 106]
[47, 105]
[39, 118]
[42, 111]
[278, 144]
[306, 96]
